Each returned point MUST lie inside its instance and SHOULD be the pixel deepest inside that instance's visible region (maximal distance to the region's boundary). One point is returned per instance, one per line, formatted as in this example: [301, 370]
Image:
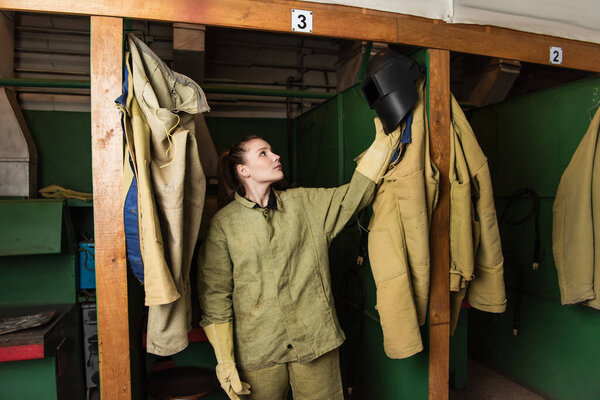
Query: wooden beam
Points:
[336, 21]
[107, 171]
[439, 303]
[496, 42]
[270, 15]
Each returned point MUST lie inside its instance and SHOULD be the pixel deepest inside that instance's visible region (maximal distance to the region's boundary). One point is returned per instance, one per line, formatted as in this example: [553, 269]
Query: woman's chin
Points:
[278, 176]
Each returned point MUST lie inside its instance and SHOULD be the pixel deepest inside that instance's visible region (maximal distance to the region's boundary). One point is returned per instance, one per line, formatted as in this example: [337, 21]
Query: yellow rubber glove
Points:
[374, 162]
[220, 337]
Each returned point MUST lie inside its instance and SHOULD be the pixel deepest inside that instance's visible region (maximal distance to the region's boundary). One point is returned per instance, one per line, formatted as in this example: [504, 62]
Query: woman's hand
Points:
[374, 162]
[220, 337]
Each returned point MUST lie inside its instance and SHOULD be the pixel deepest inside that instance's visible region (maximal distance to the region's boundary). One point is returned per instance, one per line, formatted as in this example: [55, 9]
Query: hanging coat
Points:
[171, 184]
[476, 261]
[399, 234]
[576, 226]
[399, 239]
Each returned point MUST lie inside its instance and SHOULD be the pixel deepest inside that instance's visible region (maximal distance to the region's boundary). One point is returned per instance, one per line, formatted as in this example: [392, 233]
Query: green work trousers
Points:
[319, 379]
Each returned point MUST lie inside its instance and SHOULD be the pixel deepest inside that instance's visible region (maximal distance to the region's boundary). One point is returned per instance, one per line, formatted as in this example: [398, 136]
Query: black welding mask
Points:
[390, 87]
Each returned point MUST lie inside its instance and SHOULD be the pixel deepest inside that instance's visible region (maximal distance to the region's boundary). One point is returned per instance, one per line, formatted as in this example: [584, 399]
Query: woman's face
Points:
[262, 165]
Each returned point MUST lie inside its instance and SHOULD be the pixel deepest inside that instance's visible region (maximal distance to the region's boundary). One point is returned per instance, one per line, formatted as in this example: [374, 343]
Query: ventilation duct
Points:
[18, 157]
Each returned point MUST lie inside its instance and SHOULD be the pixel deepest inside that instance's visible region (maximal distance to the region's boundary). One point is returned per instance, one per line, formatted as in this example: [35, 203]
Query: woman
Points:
[264, 275]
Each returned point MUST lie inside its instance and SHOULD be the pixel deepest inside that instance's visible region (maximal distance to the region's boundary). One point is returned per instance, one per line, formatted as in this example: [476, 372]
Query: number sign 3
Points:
[302, 21]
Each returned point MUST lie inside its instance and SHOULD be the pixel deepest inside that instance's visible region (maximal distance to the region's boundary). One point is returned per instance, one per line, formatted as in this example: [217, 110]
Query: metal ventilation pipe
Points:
[18, 156]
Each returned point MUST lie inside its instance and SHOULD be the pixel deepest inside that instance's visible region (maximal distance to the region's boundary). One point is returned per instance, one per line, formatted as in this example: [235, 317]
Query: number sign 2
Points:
[556, 55]
[302, 21]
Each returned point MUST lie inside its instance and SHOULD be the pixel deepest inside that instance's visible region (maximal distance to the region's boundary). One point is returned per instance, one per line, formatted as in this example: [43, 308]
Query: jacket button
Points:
[289, 346]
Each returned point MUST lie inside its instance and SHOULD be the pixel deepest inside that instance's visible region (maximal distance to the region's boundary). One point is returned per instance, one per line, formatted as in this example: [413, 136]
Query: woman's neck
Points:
[258, 193]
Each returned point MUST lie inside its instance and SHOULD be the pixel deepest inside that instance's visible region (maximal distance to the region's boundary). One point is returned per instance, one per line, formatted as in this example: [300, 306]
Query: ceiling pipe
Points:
[72, 84]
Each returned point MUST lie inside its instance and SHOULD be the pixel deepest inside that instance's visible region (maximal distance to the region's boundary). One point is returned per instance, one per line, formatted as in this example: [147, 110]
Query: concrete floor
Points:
[486, 384]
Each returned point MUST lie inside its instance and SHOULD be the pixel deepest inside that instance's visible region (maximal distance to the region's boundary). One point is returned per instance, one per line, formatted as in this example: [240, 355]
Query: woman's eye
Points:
[262, 153]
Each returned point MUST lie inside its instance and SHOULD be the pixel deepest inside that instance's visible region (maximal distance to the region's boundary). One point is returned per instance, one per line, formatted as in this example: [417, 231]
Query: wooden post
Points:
[107, 165]
[439, 306]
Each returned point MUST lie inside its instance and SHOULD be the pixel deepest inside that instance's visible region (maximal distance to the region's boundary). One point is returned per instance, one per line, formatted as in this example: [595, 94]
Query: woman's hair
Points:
[229, 180]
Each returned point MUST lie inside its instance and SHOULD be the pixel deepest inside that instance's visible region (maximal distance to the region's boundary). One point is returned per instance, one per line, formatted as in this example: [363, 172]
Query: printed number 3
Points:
[302, 20]
[302, 24]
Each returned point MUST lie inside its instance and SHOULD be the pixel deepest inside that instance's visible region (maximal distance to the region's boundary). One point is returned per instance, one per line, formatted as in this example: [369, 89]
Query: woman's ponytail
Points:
[229, 181]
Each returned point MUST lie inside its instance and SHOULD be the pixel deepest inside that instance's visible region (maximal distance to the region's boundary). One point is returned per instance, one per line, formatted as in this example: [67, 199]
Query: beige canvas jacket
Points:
[476, 260]
[576, 226]
[159, 124]
[399, 240]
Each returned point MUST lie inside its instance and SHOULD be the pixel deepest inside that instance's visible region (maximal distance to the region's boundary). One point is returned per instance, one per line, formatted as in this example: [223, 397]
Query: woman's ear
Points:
[242, 171]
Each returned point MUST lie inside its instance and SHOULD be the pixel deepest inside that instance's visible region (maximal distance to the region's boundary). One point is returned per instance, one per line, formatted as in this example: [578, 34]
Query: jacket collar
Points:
[274, 201]
[169, 91]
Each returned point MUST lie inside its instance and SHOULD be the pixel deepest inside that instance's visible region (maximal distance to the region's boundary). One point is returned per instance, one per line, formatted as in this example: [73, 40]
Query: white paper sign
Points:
[556, 55]
[302, 20]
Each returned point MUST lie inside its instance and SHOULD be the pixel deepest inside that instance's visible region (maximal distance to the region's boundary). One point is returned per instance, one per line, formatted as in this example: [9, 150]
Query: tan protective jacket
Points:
[576, 227]
[399, 240]
[399, 234]
[161, 141]
[476, 261]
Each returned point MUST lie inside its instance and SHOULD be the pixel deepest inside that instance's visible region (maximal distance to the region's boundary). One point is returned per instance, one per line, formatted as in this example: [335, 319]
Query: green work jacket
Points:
[267, 270]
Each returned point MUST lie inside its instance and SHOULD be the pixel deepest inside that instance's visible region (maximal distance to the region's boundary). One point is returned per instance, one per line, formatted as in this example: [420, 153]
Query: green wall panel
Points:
[556, 352]
[31, 280]
[317, 144]
[529, 142]
[26, 380]
[31, 227]
[358, 127]
[63, 143]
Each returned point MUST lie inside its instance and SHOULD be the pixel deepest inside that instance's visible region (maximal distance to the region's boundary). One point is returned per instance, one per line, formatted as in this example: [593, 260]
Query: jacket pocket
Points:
[387, 252]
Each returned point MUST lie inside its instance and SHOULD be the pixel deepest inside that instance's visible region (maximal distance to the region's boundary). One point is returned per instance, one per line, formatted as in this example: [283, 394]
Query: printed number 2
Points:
[302, 20]
[556, 55]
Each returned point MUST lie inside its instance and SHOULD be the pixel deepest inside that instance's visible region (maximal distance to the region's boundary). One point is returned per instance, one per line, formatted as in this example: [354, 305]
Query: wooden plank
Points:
[439, 305]
[337, 21]
[270, 15]
[107, 170]
[496, 42]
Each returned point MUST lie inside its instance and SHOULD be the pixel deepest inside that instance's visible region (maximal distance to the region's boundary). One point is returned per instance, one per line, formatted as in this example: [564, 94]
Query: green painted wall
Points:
[33, 280]
[529, 141]
[64, 148]
[31, 379]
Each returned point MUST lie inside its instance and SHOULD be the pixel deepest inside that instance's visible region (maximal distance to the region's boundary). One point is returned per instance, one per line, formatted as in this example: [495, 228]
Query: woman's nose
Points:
[276, 157]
